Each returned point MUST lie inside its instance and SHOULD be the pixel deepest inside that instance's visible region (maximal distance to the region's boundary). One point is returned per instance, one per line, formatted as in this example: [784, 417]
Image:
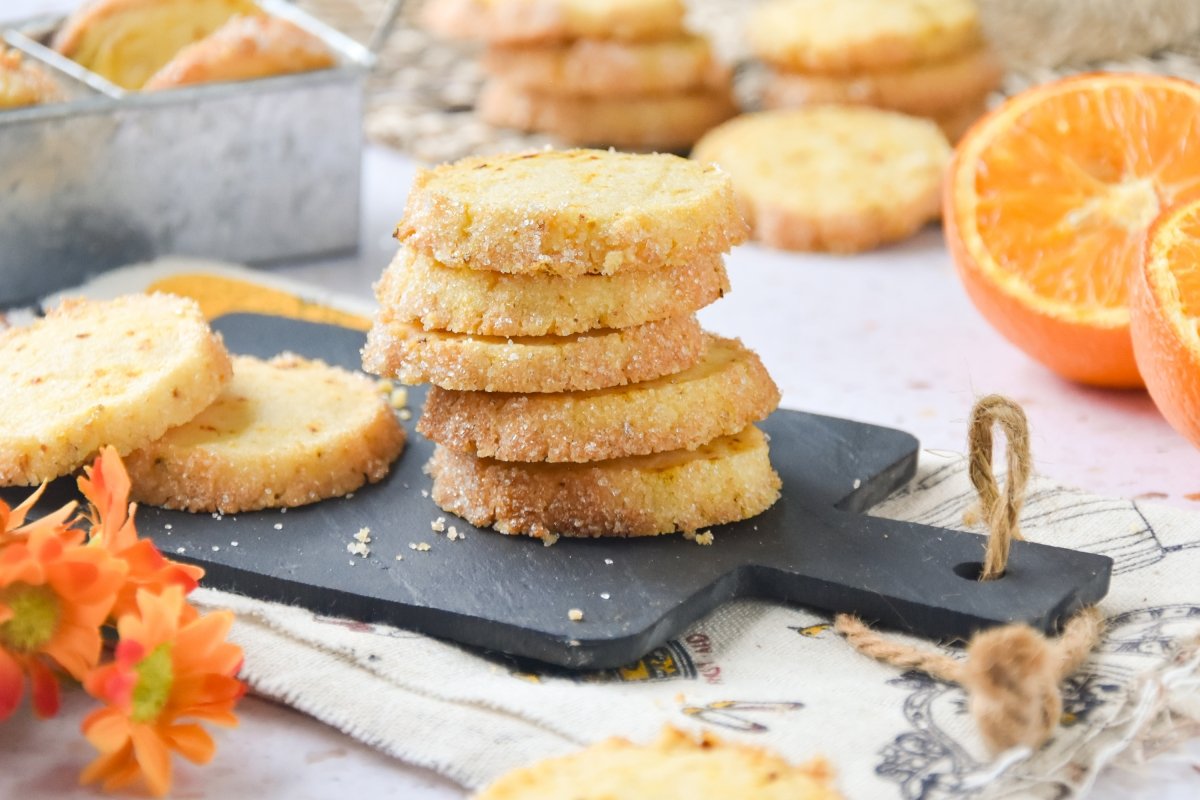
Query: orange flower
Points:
[165, 670]
[106, 486]
[55, 593]
[12, 520]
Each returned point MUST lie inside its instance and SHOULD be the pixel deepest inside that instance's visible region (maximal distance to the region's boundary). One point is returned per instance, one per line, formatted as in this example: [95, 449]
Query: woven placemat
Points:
[421, 95]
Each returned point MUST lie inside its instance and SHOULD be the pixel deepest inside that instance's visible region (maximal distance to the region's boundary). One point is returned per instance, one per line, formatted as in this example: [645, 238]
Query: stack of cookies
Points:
[921, 57]
[621, 72]
[550, 299]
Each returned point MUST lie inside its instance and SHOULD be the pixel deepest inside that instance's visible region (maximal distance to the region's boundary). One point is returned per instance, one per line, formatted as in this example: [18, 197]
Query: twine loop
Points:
[1012, 674]
[1000, 511]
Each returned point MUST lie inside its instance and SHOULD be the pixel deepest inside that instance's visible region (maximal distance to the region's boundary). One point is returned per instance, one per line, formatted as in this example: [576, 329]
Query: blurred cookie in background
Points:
[243, 48]
[841, 179]
[24, 83]
[922, 57]
[619, 73]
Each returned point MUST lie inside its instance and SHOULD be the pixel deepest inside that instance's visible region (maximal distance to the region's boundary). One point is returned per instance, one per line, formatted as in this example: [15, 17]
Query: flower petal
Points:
[191, 741]
[153, 757]
[12, 684]
[43, 689]
[106, 729]
[108, 764]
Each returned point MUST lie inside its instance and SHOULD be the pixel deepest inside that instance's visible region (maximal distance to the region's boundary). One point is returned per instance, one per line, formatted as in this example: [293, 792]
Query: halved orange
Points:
[1047, 203]
[1165, 317]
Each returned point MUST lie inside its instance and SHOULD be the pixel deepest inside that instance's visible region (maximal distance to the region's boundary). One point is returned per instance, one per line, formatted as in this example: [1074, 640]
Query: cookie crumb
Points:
[438, 525]
[358, 549]
[575, 615]
[608, 561]
[548, 539]
[605, 596]
[215, 548]
[278, 526]
[180, 549]
[420, 546]
[398, 398]
[404, 414]
[363, 535]
[424, 493]
[233, 544]
[399, 558]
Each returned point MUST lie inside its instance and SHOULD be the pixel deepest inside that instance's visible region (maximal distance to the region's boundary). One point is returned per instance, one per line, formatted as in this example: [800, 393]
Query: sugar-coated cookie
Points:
[93, 373]
[676, 767]
[725, 480]
[728, 390]
[284, 432]
[416, 289]
[127, 41]
[837, 178]
[25, 83]
[610, 68]
[579, 362]
[926, 89]
[571, 212]
[645, 122]
[249, 47]
[509, 21]
[841, 36]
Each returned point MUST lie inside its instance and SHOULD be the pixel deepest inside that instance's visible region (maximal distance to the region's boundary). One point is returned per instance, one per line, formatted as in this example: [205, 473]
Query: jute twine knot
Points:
[1011, 673]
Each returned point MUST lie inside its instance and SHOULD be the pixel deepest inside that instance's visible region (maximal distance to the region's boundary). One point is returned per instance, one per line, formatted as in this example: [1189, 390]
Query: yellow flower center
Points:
[35, 617]
[153, 689]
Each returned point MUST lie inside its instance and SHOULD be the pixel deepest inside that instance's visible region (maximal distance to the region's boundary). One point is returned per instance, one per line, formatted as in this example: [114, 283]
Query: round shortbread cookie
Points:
[514, 21]
[836, 178]
[842, 36]
[415, 288]
[725, 480]
[676, 767]
[284, 432]
[571, 212]
[579, 362]
[608, 68]
[24, 82]
[127, 41]
[644, 122]
[93, 373]
[244, 48]
[926, 89]
[721, 395]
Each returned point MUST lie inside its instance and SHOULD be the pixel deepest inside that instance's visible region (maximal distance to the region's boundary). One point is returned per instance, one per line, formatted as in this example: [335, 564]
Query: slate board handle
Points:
[922, 580]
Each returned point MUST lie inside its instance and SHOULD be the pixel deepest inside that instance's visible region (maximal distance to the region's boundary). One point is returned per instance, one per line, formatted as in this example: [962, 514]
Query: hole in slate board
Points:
[971, 570]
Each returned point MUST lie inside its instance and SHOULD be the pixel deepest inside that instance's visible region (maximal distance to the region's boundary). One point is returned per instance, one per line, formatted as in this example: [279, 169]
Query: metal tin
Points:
[253, 171]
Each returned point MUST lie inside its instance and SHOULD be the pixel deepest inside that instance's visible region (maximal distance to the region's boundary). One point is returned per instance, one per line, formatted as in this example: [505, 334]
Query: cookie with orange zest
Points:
[285, 432]
[102, 372]
[1046, 206]
[55, 593]
[166, 674]
[676, 766]
[591, 360]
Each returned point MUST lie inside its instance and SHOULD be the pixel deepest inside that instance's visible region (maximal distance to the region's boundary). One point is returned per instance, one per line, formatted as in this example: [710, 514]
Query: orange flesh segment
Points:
[1063, 212]
[1176, 267]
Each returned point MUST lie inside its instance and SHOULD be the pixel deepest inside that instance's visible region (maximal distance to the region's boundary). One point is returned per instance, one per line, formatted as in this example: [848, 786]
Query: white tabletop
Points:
[887, 337]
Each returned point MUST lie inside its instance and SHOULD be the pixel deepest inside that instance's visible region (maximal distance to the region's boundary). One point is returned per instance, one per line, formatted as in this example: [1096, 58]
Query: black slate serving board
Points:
[512, 594]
